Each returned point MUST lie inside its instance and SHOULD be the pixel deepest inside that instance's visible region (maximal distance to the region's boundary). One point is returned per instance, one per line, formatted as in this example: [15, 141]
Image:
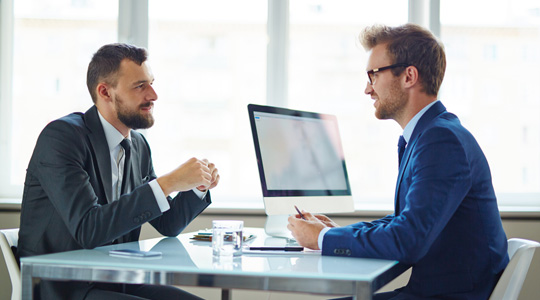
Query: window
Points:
[489, 83]
[52, 45]
[211, 58]
[327, 72]
[208, 64]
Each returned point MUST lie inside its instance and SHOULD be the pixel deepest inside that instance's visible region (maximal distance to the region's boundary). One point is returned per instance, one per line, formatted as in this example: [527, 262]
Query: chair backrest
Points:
[521, 252]
[8, 239]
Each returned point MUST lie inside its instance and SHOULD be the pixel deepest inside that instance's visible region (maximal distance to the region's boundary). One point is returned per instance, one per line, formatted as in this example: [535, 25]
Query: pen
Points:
[277, 248]
[301, 215]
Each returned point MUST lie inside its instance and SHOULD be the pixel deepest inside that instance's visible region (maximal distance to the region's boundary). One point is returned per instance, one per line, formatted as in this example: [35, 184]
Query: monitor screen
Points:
[300, 160]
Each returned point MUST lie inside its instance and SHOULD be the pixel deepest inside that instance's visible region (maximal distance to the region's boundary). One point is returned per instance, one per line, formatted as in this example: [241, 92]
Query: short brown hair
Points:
[414, 45]
[106, 62]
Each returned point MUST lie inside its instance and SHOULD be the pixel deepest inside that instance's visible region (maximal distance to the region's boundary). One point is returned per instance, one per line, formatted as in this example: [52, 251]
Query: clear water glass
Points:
[227, 237]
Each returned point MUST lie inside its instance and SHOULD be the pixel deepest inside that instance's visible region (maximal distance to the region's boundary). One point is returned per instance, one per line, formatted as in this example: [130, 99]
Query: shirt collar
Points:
[113, 136]
[408, 131]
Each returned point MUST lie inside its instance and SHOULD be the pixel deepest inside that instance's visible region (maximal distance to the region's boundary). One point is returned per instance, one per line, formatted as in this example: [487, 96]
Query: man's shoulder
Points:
[447, 128]
[70, 125]
[75, 118]
[449, 122]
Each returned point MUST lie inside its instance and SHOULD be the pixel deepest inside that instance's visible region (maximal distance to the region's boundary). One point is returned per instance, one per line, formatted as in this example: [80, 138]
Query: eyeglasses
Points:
[370, 73]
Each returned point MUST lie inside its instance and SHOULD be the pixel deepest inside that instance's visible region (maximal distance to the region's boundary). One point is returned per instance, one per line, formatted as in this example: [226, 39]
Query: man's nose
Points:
[153, 94]
[369, 89]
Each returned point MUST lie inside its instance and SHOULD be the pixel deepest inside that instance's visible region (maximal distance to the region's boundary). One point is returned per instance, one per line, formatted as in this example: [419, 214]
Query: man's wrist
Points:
[321, 236]
[160, 196]
[162, 181]
[200, 193]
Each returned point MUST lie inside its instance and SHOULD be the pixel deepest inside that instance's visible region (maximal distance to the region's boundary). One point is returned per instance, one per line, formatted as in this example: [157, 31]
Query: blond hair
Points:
[413, 45]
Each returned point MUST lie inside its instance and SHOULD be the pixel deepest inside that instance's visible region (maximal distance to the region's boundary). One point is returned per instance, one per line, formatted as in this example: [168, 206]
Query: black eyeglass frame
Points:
[372, 72]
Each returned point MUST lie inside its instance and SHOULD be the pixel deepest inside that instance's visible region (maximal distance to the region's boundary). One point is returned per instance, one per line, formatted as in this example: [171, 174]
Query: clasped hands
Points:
[194, 173]
[306, 232]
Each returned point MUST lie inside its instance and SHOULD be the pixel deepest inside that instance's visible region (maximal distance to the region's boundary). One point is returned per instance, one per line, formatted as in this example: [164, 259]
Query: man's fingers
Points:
[306, 214]
[292, 219]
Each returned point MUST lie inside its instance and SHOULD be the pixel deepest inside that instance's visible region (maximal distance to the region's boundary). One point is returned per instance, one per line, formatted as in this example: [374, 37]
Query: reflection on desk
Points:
[191, 263]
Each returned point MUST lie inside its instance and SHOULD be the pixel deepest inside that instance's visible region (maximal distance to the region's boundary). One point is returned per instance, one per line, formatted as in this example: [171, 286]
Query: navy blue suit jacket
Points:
[446, 223]
[67, 200]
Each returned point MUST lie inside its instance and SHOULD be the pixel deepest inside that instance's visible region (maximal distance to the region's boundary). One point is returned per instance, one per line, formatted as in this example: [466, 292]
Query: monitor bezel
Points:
[252, 109]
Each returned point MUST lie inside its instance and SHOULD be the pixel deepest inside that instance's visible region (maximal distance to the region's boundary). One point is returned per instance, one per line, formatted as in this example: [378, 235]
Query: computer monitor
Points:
[300, 160]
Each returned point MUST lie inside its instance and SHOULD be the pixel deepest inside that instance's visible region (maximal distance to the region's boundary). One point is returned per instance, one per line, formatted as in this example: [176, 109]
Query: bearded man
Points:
[91, 182]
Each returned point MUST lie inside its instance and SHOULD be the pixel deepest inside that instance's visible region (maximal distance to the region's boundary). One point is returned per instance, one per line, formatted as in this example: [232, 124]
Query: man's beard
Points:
[133, 119]
[393, 105]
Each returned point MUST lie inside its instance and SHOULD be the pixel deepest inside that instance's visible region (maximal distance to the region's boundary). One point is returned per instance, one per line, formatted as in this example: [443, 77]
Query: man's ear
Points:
[411, 76]
[104, 92]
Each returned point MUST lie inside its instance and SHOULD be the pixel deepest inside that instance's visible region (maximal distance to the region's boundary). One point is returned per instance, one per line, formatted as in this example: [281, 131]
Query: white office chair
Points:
[521, 252]
[8, 239]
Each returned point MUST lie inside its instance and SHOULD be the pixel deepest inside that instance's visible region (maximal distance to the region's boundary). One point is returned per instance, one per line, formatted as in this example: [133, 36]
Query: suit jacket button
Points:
[348, 252]
[136, 220]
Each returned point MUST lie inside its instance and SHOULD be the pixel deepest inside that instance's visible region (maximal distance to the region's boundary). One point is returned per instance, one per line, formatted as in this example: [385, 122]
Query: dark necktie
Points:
[401, 148]
[126, 144]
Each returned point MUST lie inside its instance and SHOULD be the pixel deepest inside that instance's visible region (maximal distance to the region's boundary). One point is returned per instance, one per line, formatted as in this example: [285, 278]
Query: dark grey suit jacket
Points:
[67, 200]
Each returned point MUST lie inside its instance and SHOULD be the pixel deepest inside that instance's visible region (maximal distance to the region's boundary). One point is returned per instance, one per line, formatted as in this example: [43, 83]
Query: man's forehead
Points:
[135, 72]
[378, 55]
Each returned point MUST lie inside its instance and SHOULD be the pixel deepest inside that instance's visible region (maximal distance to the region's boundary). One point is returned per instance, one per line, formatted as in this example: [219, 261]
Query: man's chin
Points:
[380, 116]
[141, 123]
[148, 124]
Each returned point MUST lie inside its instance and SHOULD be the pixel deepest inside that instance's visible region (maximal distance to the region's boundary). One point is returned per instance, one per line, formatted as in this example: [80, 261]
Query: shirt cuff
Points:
[160, 196]
[200, 194]
[321, 236]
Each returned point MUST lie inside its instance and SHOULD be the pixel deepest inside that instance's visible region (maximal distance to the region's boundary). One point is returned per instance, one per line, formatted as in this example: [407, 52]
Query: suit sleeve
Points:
[185, 207]
[439, 178]
[63, 156]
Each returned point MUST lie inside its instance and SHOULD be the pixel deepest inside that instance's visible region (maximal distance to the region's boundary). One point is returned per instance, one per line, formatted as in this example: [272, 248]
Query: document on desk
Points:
[272, 250]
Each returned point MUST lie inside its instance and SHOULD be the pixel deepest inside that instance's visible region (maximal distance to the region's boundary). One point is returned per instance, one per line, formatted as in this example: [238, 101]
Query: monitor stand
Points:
[276, 226]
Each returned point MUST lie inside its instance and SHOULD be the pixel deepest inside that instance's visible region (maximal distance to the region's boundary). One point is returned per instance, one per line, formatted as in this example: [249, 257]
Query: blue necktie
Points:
[401, 148]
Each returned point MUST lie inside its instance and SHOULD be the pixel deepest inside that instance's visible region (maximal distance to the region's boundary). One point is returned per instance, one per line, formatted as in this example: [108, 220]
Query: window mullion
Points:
[6, 95]
[133, 22]
[426, 13]
[278, 52]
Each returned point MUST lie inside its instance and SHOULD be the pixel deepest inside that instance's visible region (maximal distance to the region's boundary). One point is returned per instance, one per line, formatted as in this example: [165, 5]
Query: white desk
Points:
[190, 263]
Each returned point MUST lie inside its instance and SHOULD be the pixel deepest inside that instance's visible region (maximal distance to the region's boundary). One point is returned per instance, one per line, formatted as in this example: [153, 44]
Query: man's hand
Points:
[326, 221]
[193, 173]
[215, 177]
[306, 232]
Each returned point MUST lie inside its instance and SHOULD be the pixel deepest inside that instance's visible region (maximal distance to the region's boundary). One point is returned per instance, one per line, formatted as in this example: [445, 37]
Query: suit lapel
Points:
[101, 150]
[434, 111]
